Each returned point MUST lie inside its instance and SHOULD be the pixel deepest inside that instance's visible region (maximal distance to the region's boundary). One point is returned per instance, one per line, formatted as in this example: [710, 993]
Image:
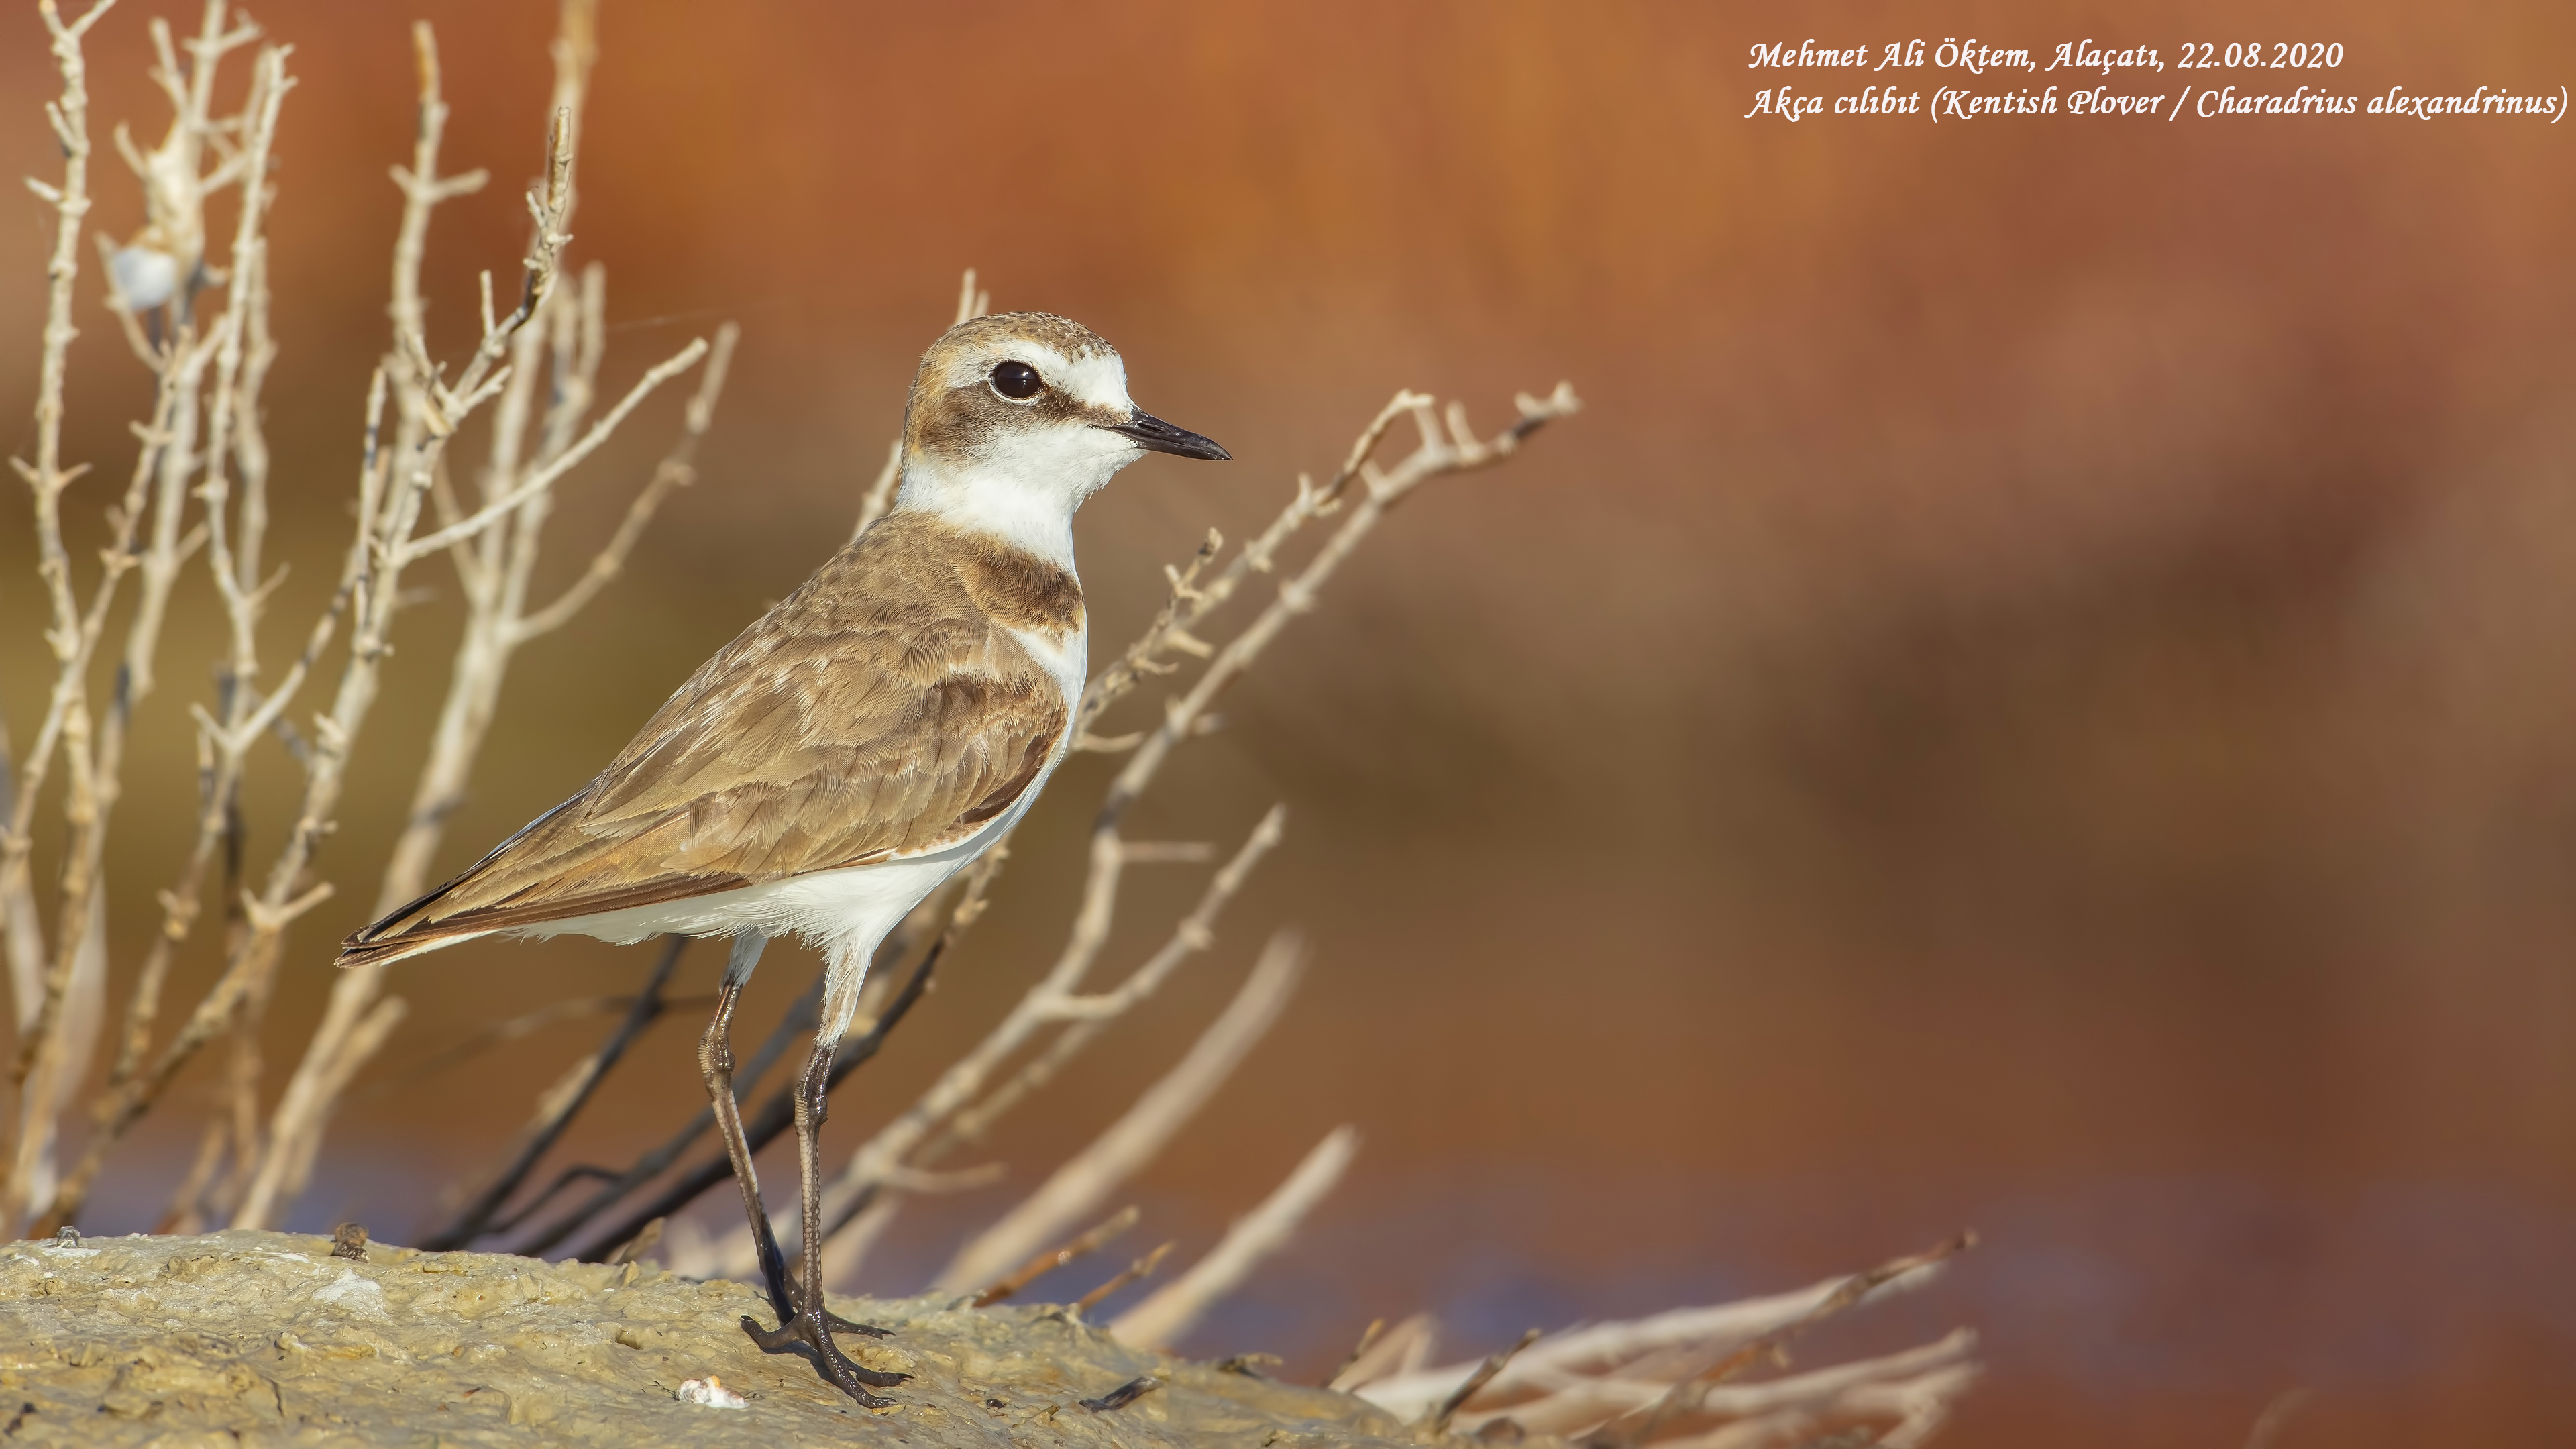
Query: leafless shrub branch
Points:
[1400, 1352]
[1086, 1179]
[1175, 1308]
[1136, 1271]
[209, 373]
[517, 492]
[57, 1036]
[1047, 1261]
[1666, 1379]
[1434, 1422]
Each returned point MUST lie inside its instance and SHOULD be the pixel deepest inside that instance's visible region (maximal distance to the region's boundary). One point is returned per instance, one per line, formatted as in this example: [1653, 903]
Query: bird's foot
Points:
[846, 1325]
[851, 1378]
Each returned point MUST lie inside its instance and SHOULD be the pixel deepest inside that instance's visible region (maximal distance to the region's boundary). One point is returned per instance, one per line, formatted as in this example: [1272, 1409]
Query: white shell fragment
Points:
[711, 1392]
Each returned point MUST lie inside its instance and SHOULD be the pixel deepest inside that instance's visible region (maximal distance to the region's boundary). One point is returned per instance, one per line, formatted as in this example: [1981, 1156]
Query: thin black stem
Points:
[475, 1219]
[799, 1021]
[776, 1115]
[510, 1222]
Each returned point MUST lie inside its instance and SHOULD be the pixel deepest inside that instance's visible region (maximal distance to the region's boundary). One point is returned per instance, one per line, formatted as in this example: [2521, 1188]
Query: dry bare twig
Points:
[956, 1099]
[1914, 1388]
[1398, 1353]
[1140, 1269]
[209, 376]
[1099, 1236]
[1434, 1423]
[1175, 1308]
[502, 1033]
[428, 410]
[243, 349]
[58, 1034]
[1077, 1189]
[1367, 1340]
[47, 478]
[1665, 1378]
[518, 494]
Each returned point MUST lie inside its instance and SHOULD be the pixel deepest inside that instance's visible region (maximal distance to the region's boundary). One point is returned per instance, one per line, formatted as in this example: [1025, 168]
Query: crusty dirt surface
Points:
[265, 1338]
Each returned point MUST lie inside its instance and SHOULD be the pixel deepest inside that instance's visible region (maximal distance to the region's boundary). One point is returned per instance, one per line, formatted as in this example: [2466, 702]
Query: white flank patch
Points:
[1065, 656]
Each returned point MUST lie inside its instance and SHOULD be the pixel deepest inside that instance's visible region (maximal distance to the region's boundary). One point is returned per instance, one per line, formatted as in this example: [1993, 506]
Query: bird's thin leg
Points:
[813, 1328]
[715, 1064]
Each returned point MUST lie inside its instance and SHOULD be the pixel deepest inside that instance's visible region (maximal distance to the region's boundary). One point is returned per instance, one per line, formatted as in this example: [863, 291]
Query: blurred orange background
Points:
[2035, 697]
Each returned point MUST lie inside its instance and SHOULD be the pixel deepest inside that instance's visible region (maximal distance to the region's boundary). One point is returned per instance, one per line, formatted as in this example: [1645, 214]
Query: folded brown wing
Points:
[882, 710]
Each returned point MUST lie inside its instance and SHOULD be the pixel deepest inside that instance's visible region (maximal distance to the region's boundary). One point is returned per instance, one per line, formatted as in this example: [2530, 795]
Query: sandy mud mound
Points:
[260, 1338]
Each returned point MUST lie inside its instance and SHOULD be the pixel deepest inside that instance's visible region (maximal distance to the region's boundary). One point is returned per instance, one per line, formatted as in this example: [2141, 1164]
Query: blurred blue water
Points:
[2109, 1289]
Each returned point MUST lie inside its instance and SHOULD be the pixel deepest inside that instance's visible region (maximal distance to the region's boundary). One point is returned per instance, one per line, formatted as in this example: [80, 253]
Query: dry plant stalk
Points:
[1136, 1271]
[1434, 1422]
[67, 707]
[1667, 1379]
[1174, 1309]
[1086, 1179]
[1091, 1242]
[1401, 1350]
[59, 1021]
[203, 452]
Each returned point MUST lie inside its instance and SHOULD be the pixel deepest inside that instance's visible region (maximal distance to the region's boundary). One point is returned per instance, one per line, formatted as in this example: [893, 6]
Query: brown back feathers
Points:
[883, 709]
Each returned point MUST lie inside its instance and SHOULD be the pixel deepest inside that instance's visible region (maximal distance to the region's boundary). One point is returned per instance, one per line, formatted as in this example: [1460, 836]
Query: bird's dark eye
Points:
[1016, 380]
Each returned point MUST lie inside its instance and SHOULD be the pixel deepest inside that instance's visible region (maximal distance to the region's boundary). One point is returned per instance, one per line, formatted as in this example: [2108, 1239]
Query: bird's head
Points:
[1015, 419]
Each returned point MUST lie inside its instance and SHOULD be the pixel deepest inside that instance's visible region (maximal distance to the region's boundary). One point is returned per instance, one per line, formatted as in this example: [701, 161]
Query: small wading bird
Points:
[858, 745]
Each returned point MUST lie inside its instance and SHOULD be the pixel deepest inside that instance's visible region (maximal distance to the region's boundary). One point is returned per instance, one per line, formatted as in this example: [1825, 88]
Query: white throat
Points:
[1023, 490]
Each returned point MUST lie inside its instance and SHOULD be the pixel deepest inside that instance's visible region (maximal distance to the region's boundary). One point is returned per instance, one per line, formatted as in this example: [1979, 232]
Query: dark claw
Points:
[771, 1340]
[836, 1365]
[847, 1326]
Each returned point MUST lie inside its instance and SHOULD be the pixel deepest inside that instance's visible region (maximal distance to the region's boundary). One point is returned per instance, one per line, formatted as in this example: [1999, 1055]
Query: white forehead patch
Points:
[1098, 380]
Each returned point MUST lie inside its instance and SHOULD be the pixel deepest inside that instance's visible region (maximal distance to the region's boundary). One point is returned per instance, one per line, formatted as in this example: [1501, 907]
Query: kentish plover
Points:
[857, 745]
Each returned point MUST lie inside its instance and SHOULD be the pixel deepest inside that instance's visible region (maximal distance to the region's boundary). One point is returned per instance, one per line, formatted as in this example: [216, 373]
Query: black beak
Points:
[1154, 435]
